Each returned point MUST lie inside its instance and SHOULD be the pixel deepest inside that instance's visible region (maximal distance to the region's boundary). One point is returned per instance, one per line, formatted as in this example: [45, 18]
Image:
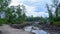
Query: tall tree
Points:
[3, 9]
[4, 5]
[19, 10]
[49, 12]
[56, 6]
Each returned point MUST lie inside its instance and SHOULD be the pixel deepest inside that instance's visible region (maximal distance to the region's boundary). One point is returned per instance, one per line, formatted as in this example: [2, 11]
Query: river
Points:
[35, 30]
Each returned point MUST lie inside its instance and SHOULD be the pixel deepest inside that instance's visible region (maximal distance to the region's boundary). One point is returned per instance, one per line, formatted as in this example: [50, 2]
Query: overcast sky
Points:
[33, 7]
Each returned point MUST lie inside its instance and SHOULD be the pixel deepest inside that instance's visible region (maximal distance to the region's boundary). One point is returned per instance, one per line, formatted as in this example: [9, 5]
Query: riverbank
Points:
[6, 29]
[50, 28]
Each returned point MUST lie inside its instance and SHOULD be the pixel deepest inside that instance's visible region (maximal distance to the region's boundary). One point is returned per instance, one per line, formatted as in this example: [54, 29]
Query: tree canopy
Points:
[11, 14]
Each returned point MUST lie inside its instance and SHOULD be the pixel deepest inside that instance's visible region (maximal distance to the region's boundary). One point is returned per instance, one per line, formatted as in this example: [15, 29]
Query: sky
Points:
[33, 7]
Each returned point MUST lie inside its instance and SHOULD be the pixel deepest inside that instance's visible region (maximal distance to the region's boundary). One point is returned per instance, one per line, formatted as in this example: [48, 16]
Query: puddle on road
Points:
[36, 30]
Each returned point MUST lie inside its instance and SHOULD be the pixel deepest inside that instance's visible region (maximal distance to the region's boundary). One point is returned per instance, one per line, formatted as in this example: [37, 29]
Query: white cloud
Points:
[30, 10]
[43, 14]
[15, 2]
[33, 0]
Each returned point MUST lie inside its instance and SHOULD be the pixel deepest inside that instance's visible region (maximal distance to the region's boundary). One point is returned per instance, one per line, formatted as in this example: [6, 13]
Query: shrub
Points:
[2, 21]
[57, 23]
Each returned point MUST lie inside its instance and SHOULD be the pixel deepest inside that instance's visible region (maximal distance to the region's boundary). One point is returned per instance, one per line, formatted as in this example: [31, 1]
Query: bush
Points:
[57, 23]
[56, 19]
[2, 21]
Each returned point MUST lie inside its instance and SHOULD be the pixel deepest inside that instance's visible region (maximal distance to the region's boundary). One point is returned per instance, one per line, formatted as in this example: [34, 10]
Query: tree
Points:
[18, 12]
[56, 17]
[3, 9]
[56, 6]
[50, 13]
[12, 14]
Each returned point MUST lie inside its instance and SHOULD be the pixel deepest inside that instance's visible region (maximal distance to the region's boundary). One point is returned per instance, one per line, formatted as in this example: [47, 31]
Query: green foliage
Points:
[12, 15]
[56, 17]
[43, 19]
[2, 21]
[56, 23]
[37, 19]
[33, 19]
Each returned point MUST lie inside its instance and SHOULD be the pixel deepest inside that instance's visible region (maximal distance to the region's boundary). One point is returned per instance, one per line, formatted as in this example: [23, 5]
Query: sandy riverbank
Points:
[6, 29]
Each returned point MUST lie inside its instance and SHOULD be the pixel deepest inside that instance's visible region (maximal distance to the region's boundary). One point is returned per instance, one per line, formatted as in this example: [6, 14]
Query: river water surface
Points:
[35, 30]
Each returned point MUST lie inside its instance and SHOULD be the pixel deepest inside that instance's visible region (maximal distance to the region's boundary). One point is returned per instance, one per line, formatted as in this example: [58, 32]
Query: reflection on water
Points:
[36, 30]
